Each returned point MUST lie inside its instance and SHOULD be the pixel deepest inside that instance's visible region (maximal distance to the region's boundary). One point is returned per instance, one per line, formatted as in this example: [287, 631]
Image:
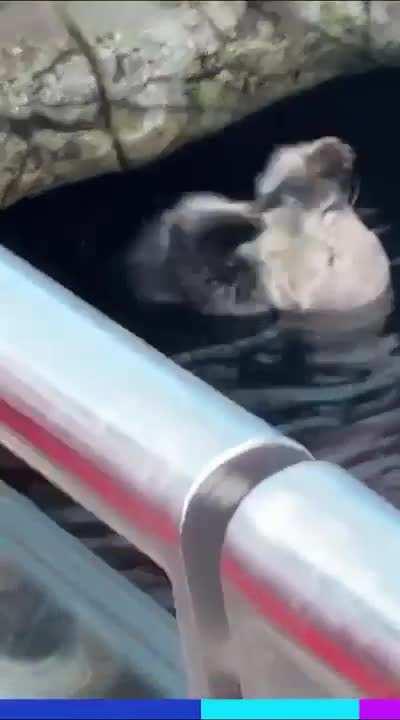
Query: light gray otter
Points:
[297, 246]
[316, 174]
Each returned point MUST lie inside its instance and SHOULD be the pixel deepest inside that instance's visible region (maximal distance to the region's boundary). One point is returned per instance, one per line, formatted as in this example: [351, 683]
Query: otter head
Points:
[315, 252]
[205, 233]
[312, 175]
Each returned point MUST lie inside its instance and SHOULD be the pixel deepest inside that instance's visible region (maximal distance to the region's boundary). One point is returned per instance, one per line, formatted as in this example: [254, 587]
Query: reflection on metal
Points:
[306, 601]
[151, 450]
[70, 626]
[312, 588]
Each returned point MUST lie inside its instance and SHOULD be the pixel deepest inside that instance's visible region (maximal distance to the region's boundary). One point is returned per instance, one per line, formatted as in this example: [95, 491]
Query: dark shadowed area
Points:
[335, 389]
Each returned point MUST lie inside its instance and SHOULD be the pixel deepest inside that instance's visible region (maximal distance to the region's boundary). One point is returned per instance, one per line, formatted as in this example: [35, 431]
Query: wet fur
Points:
[209, 254]
[189, 257]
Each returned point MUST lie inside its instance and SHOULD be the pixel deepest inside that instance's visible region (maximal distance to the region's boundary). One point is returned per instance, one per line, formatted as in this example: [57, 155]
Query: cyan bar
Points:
[292, 709]
[379, 709]
[100, 709]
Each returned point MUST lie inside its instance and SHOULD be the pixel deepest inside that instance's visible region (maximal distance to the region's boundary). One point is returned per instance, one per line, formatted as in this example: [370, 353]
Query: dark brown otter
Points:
[189, 256]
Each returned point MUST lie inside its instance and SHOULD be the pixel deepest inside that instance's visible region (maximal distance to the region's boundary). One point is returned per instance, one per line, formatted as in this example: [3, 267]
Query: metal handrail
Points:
[312, 588]
[151, 450]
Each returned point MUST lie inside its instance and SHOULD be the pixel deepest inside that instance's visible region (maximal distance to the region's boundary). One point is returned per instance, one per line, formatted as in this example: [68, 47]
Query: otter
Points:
[315, 253]
[298, 245]
[188, 256]
[316, 174]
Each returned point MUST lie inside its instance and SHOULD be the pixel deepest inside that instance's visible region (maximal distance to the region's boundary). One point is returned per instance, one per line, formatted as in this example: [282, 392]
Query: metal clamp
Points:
[312, 588]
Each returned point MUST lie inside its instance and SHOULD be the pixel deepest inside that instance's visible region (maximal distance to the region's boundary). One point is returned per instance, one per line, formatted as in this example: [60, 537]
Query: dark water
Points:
[335, 389]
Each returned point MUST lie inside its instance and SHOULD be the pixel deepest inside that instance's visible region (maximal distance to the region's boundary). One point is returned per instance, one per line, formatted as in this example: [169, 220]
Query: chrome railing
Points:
[311, 587]
[173, 466]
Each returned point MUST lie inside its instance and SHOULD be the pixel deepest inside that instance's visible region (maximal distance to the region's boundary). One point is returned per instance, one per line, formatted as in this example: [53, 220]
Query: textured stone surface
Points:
[88, 87]
[51, 127]
[385, 31]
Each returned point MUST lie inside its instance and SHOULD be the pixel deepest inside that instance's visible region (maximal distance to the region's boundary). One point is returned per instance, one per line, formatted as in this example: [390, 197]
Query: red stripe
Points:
[361, 672]
[129, 504]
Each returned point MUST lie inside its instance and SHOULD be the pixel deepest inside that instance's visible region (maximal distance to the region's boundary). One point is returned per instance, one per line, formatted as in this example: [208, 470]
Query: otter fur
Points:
[189, 256]
[298, 245]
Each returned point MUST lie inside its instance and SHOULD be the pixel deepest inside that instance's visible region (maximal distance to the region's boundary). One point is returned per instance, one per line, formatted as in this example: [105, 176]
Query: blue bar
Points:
[292, 709]
[100, 709]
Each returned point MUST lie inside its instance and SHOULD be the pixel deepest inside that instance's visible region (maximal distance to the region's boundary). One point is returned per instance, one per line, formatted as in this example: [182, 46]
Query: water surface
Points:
[335, 389]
